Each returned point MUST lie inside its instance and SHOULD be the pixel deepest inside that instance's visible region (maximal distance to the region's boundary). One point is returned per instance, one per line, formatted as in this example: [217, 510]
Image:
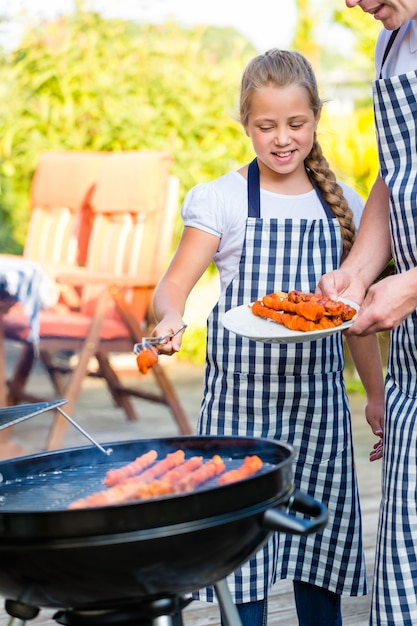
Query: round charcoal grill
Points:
[137, 562]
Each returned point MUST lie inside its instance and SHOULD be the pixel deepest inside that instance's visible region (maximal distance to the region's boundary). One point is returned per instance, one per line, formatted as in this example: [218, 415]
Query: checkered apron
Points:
[394, 598]
[293, 393]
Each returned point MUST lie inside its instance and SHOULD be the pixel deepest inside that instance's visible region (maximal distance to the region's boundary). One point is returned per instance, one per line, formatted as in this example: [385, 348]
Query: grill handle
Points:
[299, 502]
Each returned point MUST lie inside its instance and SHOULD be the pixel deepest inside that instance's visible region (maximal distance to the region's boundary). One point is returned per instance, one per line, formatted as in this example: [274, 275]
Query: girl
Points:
[278, 224]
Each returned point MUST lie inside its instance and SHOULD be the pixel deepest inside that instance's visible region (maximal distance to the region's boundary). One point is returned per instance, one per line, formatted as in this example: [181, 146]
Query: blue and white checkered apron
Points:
[293, 393]
[394, 598]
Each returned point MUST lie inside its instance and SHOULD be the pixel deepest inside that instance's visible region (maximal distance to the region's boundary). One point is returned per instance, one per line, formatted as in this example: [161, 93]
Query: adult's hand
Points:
[387, 304]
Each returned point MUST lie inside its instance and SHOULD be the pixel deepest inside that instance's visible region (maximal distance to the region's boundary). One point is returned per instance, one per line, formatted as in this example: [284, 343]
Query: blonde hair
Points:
[281, 68]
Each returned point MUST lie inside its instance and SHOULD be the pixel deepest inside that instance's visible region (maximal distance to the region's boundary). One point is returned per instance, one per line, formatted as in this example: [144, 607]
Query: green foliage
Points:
[340, 44]
[348, 141]
[193, 348]
[87, 83]
[364, 30]
[352, 381]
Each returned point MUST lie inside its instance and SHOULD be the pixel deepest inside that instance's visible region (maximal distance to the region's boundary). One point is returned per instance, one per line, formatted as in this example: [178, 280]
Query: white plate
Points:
[242, 321]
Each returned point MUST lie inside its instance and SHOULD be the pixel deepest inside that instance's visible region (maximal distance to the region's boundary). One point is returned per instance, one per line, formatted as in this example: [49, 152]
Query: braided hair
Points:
[281, 68]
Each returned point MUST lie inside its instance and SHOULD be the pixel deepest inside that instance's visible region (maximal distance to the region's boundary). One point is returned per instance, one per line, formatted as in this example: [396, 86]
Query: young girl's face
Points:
[281, 125]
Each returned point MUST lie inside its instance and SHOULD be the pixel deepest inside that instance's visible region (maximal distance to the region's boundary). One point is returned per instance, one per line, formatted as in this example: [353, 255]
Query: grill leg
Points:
[19, 612]
[167, 620]
[227, 608]
[171, 619]
[15, 621]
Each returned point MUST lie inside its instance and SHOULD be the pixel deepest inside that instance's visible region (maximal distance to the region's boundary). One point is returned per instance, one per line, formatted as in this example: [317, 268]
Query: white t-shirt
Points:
[402, 57]
[220, 208]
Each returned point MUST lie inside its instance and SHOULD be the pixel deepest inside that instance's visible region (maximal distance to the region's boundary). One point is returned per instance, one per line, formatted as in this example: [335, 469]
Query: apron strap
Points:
[324, 204]
[254, 192]
[388, 48]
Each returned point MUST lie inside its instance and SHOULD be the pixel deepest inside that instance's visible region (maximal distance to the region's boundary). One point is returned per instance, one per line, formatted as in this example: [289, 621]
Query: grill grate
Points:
[54, 490]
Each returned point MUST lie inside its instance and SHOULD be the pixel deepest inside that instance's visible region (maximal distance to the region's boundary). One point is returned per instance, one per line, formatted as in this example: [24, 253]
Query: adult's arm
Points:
[387, 302]
[370, 253]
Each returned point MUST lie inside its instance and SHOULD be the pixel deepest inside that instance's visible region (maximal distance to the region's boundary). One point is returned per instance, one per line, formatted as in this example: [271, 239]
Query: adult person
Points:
[389, 229]
[274, 225]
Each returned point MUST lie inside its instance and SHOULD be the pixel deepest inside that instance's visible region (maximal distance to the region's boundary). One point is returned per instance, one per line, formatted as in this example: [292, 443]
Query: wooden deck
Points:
[95, 412]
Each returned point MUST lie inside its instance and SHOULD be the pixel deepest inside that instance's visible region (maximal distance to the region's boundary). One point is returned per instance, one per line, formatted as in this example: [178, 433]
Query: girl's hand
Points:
[376, 452]
[340, 284]
[167, 326]
[374, 413]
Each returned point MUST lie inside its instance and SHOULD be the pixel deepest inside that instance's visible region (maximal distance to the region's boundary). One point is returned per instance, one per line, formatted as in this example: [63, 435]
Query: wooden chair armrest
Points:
[53, 271]
[82, 277]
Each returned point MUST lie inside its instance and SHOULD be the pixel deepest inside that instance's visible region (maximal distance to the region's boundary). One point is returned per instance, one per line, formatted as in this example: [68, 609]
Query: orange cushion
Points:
[65, 325]
[132, 181]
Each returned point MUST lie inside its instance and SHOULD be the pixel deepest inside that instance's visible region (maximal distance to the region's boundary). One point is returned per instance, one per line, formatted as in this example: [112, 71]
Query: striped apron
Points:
[293, 393]
[394, 598]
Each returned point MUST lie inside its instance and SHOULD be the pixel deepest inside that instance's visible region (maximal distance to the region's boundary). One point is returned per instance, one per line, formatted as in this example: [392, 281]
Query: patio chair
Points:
[132, 207]
[60, 216]
[60, 220]
[58, 229]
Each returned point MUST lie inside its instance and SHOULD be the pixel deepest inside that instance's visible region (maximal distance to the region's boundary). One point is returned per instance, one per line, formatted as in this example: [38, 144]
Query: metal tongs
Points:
[151, 342]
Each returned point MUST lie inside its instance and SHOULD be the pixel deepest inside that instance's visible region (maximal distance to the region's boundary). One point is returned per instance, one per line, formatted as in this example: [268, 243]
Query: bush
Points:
[86, 83]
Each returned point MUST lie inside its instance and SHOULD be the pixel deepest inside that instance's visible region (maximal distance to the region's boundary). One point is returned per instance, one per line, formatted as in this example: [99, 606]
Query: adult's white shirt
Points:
[402, 57]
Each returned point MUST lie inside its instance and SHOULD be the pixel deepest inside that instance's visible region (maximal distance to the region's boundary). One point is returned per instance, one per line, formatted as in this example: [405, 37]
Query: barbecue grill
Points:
[138, 562]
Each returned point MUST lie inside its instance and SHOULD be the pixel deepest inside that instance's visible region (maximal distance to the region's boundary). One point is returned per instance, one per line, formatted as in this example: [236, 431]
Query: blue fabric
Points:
[293, 393]
[395, 102]
[327, 608]
[253, 613]
[394, 596]
[316, 605]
